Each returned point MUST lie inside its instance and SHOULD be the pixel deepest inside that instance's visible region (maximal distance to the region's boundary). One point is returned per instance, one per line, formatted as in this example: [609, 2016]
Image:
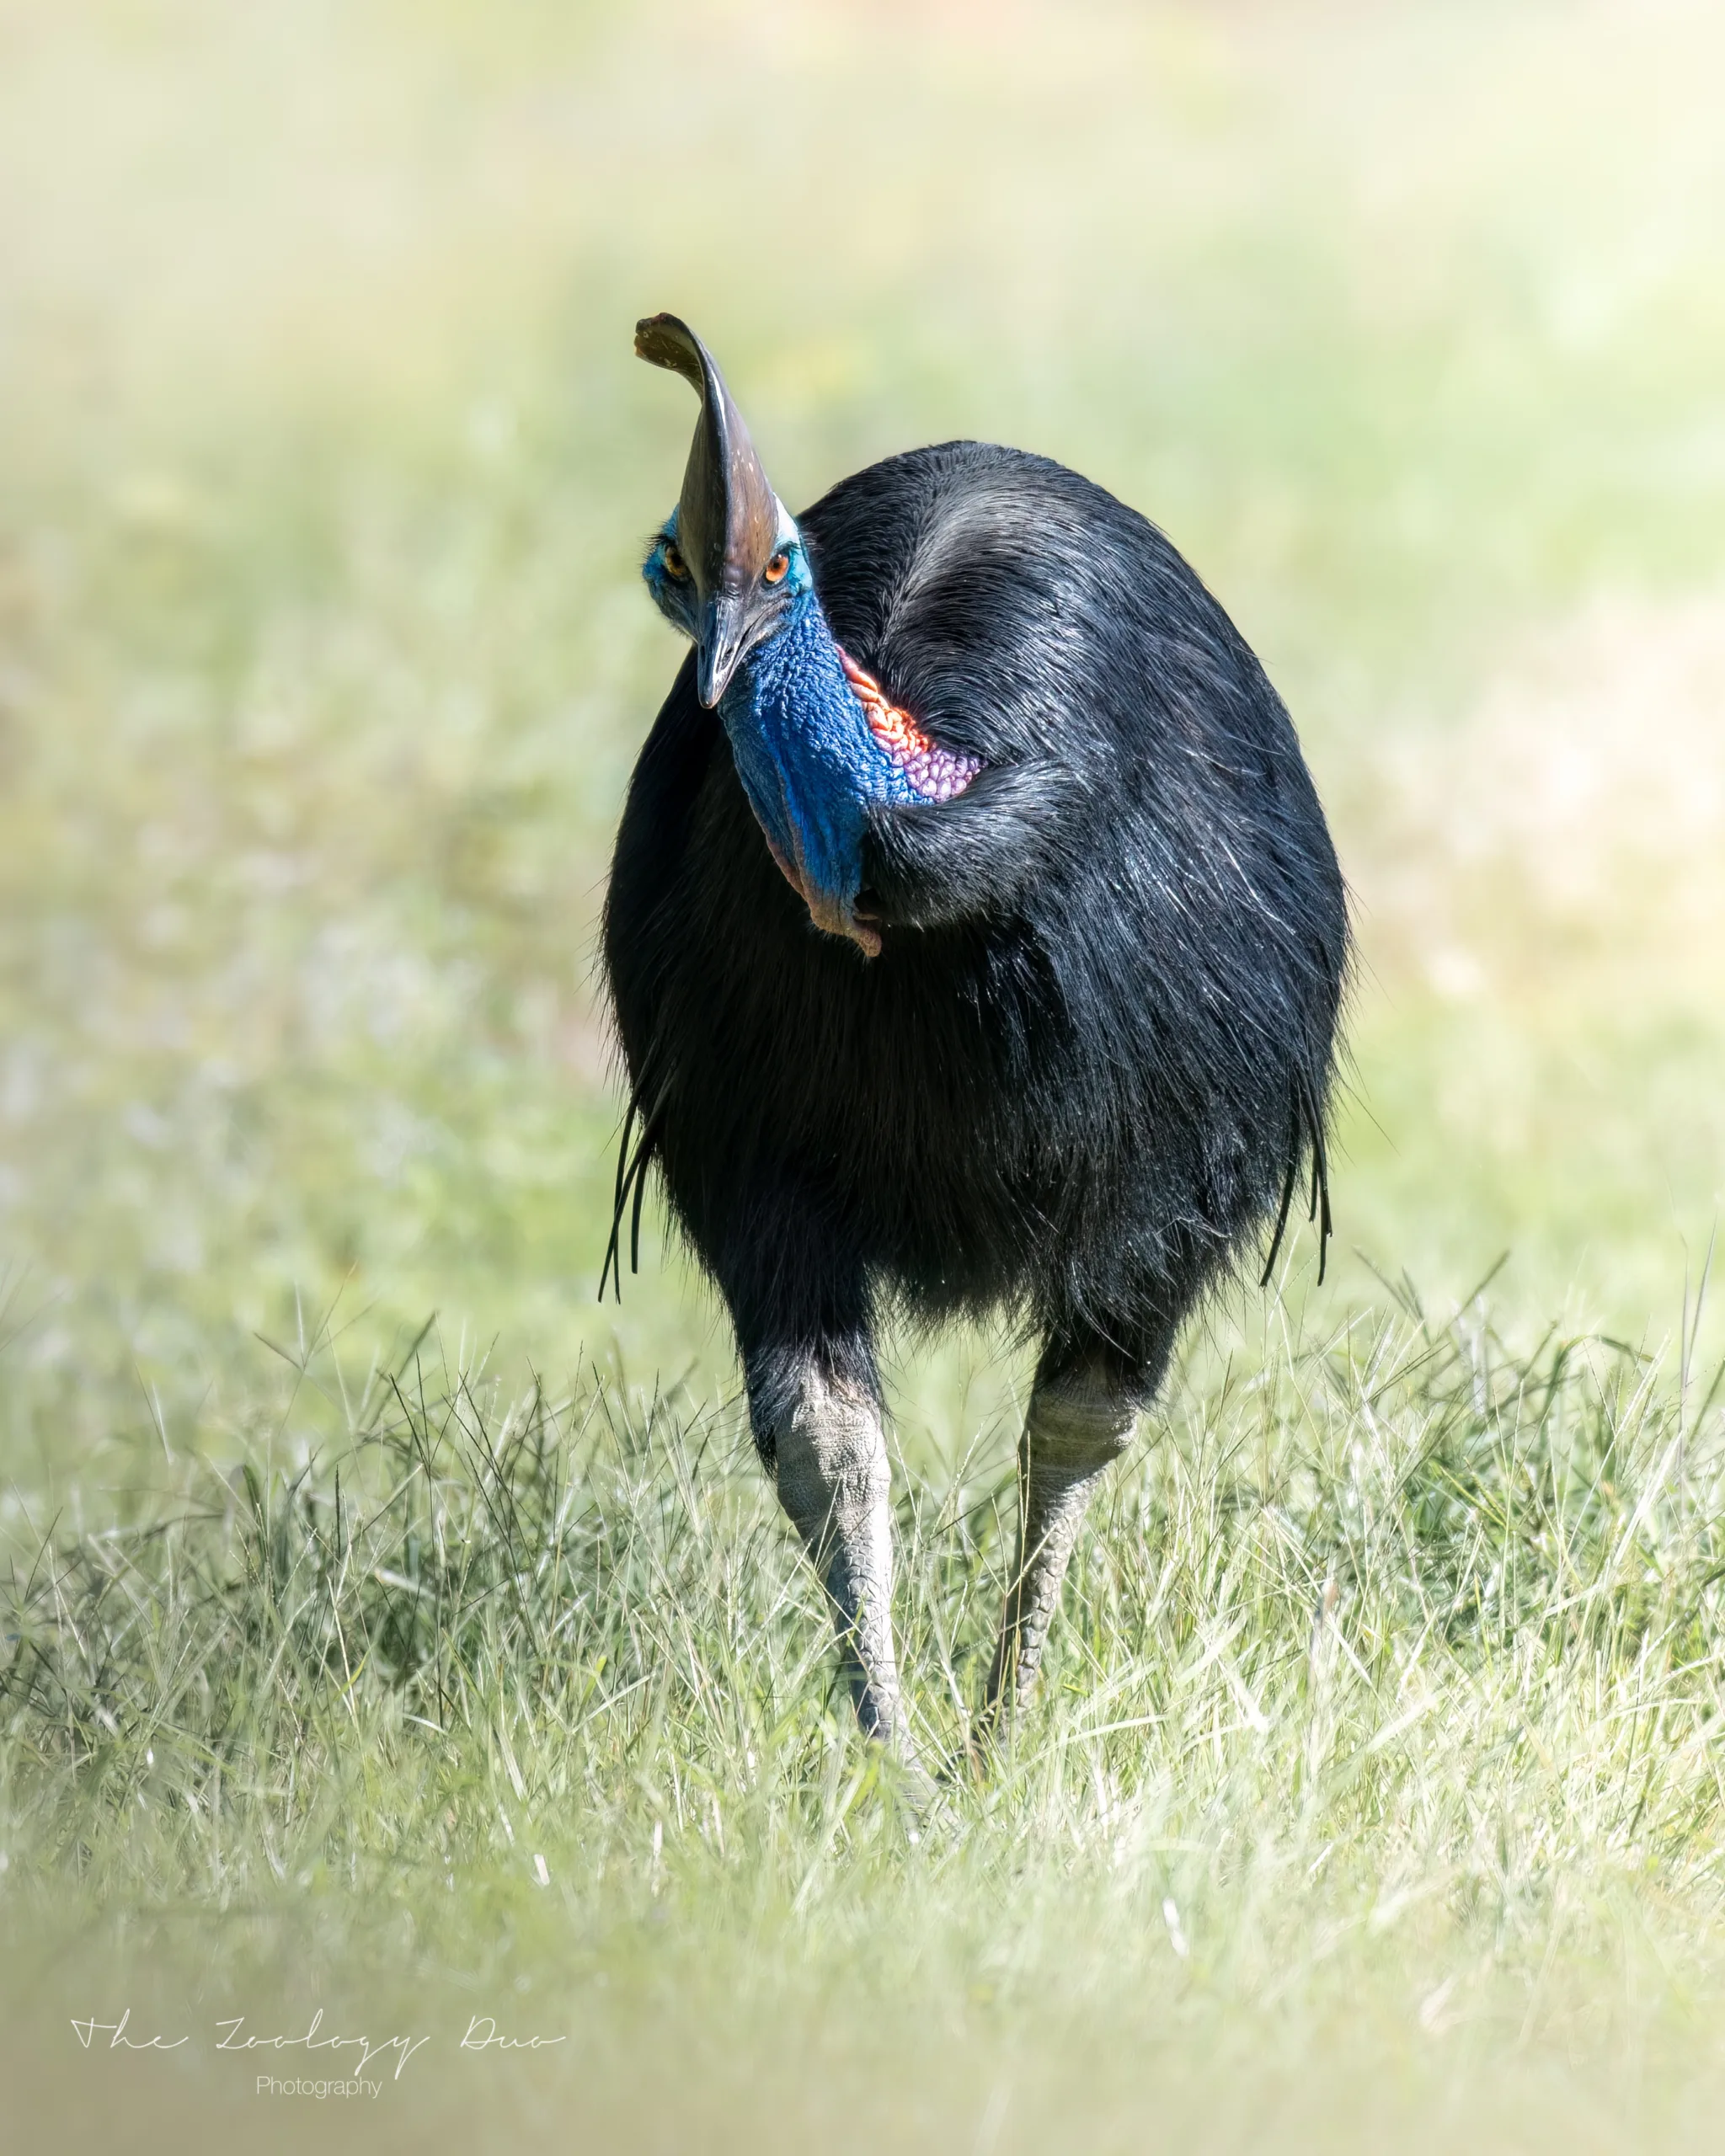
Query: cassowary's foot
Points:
[829, 1457]
[1078, 1426]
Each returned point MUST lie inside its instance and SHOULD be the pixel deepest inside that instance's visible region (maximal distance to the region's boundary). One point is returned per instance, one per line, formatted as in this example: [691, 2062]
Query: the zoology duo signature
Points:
[482, 2034]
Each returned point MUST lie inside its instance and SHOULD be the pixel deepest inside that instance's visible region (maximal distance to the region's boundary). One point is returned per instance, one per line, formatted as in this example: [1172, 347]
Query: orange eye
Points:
[675, 564]
[775, 568]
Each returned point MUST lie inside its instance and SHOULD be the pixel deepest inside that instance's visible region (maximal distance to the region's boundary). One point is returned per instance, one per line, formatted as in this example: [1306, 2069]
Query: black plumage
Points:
[1098, 1041]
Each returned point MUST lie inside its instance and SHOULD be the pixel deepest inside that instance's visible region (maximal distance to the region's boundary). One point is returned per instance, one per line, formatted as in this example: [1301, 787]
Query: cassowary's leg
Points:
[817, 1422]
[1082, 1411]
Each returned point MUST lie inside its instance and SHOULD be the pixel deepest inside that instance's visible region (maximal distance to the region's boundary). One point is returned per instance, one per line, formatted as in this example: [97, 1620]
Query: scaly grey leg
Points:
[1078, 1426]
[828, 1451]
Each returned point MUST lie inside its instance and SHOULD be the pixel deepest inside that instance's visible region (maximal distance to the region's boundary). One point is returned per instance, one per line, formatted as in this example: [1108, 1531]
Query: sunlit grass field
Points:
[390, 1627]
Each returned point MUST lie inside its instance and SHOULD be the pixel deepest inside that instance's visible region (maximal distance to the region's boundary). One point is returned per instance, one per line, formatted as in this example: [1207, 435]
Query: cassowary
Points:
[975, 943]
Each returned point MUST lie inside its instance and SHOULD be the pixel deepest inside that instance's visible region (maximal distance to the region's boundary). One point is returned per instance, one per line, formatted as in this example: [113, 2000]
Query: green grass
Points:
[322, 665]
[1387, 1705]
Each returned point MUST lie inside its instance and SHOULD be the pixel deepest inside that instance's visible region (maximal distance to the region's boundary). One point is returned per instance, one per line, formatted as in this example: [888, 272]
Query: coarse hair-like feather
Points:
[1098, 1044]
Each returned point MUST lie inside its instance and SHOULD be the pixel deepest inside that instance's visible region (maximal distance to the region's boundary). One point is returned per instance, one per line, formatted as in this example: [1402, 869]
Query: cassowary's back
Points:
[1099, 1031]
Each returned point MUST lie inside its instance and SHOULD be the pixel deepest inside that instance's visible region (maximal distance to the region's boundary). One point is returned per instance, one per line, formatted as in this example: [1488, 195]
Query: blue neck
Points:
[807, 756]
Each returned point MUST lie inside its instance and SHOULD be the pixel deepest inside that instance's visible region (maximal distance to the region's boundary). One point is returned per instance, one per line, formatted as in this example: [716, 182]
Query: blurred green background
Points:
[324, 474]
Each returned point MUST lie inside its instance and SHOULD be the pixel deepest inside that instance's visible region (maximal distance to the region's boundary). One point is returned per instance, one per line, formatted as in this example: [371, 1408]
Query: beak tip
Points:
[718, 652]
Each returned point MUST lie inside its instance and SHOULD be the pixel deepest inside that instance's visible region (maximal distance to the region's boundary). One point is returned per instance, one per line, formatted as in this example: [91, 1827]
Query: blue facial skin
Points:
[805, 752]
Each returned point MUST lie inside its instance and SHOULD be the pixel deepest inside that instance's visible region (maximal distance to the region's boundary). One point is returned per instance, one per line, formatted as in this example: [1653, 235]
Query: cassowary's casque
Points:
[976, 943]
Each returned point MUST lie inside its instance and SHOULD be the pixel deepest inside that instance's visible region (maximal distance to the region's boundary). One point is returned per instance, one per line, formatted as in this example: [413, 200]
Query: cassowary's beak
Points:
[728, 515]
[723, 638]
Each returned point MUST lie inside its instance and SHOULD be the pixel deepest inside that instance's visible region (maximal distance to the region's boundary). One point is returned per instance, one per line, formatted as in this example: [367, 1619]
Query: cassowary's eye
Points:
[675, 564]
[775, 569]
